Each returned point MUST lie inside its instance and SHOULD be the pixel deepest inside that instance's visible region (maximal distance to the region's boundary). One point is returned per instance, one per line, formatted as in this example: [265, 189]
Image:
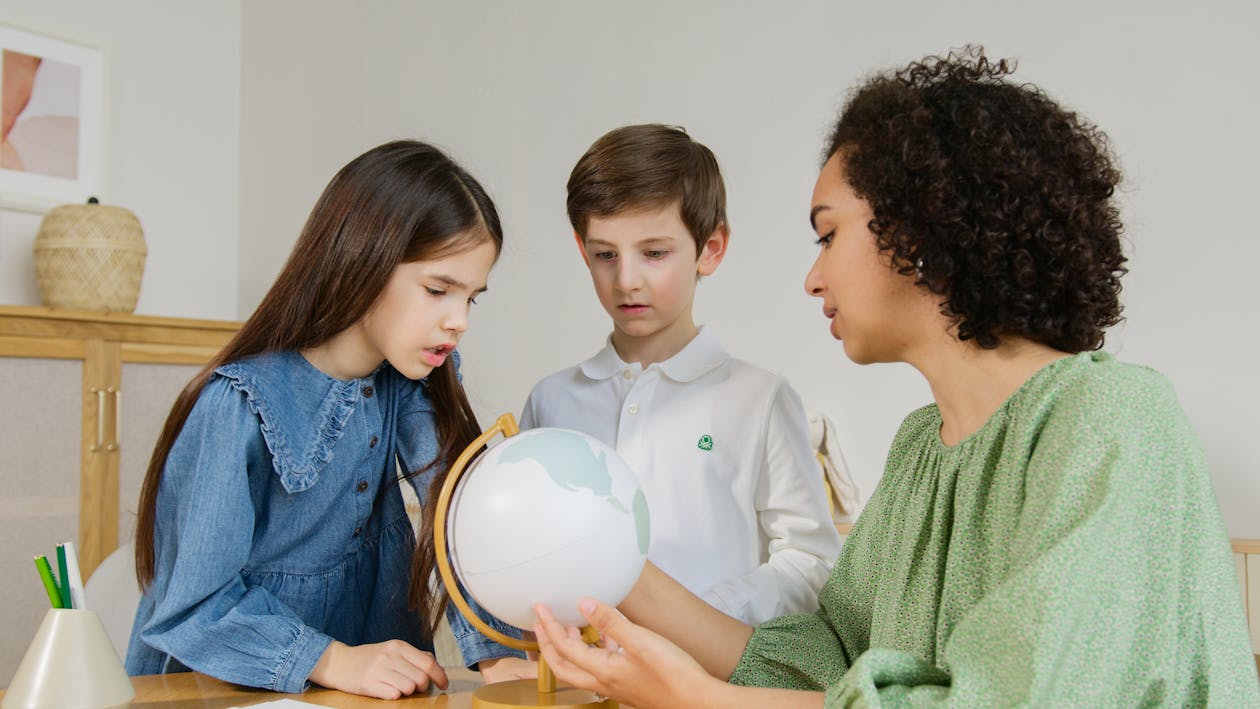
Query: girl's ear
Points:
[713, 251]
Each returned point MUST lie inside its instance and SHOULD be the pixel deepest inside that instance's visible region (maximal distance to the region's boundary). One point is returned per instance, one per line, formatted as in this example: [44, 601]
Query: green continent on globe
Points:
[569, 460]
[642, 521]
[571, 464]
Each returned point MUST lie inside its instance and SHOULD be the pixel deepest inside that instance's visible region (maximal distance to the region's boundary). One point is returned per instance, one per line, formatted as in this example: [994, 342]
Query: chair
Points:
[843, 497]
[113, 593]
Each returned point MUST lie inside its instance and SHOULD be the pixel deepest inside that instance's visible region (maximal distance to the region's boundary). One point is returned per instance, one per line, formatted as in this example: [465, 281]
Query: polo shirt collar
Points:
[699, 357]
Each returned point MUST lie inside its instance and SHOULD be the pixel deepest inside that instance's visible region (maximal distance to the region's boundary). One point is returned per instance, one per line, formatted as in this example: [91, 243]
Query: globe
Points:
[547, 516]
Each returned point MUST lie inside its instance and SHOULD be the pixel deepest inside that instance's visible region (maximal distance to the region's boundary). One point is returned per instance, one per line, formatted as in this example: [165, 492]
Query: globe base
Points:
[524, 693]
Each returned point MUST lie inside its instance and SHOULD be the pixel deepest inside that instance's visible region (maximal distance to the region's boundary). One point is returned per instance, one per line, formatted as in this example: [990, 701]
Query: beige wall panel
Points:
[39, 488]
[148, 391]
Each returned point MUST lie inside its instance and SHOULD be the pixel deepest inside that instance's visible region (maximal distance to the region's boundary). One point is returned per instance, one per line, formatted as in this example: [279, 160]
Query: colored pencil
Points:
[50, 584]
[75, 579]
[63, 578]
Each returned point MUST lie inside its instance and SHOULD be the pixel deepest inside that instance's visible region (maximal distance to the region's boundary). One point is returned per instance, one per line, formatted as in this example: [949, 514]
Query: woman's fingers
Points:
[613, 627]
[567, 671]
[569, 657]
[609, 643]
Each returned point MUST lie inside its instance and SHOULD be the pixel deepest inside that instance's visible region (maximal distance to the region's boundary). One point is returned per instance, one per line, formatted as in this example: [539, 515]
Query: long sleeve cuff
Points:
[473, 646]
[773, 656]
[293, 673]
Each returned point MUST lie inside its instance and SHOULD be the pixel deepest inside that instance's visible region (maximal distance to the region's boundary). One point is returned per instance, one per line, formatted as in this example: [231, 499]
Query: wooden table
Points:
[191, 690]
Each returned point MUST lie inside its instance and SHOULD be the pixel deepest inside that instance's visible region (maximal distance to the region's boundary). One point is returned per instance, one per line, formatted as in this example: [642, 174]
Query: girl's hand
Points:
[387, 670]
[635, 666]
[502, 669]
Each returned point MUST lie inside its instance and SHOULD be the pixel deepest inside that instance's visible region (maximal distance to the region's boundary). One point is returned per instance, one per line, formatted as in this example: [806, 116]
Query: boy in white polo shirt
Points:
[720, 446]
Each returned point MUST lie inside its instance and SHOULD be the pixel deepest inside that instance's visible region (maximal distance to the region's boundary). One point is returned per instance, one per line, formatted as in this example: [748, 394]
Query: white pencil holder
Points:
[70, 665]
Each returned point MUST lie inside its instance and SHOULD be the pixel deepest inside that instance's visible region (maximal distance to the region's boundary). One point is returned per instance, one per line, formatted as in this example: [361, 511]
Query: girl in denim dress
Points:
[272, 542]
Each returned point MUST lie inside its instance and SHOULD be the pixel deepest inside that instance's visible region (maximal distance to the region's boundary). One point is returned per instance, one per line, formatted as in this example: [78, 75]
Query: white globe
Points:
[547, 516]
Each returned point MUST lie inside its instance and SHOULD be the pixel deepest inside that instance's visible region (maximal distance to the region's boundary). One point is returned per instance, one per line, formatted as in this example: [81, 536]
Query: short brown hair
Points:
[646, 166]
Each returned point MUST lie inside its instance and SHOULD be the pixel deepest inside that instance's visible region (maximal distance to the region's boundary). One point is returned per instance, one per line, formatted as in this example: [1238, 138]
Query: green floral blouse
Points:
[1068, 553]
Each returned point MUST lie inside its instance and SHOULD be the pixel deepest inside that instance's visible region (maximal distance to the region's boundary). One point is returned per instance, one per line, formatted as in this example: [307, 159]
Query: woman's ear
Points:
[713, 251]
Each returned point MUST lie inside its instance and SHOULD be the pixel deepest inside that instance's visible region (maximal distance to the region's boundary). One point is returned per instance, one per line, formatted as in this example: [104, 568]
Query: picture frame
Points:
[53, 106]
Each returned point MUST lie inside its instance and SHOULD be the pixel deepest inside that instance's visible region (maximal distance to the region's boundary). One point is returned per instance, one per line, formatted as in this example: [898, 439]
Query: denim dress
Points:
[280, 526]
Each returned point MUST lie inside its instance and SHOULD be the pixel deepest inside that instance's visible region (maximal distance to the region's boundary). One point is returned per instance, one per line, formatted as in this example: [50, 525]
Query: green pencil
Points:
[63, 575]
[50, 585]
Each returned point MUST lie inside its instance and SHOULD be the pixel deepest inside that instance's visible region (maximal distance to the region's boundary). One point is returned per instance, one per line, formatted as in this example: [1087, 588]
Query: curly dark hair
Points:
[990, 194]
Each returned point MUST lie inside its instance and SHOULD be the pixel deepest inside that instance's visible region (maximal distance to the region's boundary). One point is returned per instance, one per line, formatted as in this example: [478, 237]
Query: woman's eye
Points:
[825, 240]
[472, 300]
[435, 292]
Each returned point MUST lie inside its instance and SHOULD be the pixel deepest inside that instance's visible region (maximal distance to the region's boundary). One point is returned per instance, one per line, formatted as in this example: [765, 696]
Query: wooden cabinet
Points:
[83, 396]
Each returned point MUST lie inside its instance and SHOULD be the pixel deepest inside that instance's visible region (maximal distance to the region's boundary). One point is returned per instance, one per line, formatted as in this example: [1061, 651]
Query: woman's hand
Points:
[387, 670]
[502, 669]
[636, 666]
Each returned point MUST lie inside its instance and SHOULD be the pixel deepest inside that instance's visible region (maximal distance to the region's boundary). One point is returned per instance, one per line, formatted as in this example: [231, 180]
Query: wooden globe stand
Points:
[542, 692]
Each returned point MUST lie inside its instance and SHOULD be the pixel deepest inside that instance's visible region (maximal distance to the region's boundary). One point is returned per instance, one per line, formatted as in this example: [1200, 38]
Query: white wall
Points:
[516, 91]
[172, 85]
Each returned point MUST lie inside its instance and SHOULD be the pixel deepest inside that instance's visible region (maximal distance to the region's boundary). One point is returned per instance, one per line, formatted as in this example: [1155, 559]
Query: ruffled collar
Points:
[303, 410]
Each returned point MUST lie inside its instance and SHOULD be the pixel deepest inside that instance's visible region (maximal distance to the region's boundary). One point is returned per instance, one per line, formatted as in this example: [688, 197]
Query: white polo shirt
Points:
[722, 450]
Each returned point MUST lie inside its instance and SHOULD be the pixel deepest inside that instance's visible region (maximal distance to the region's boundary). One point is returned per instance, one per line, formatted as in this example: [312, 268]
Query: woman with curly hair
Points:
[1045, 533]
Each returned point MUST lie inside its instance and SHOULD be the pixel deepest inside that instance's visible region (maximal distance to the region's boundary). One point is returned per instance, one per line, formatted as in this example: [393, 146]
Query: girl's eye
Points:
[825, 240]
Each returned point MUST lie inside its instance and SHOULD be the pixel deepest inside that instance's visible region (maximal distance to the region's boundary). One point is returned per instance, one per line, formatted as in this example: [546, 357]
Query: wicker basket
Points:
[90, 257]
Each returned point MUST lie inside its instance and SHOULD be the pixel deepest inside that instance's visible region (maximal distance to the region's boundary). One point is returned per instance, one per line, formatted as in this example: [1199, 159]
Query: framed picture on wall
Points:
[52, 101]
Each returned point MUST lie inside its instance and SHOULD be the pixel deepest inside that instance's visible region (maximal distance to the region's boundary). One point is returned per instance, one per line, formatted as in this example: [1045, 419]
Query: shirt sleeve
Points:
[792, 511]
[474, 646]
[1120, 589]
[529, 415]
[204, 615]
[799, 651]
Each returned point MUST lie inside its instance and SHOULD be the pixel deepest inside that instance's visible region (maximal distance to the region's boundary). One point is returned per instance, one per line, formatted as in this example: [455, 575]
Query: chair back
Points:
[113, 593]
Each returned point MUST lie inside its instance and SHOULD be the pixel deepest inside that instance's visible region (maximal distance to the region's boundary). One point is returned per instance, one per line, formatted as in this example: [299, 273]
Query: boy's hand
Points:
[502, 669]
[387, 670]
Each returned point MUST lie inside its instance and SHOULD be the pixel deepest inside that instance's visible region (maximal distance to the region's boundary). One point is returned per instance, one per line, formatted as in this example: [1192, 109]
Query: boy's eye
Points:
[472, 300]
[605, 255]
[655, 253]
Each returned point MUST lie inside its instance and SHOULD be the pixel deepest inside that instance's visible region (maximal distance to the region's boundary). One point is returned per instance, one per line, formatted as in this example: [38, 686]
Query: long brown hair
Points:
[400, 202]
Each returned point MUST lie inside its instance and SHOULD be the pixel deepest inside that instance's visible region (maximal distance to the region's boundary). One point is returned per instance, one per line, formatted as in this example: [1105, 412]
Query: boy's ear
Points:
[581, 244]
[714, 250]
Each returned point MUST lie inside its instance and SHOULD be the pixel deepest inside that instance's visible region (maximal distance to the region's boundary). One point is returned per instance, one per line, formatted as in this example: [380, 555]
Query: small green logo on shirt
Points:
[705, 443]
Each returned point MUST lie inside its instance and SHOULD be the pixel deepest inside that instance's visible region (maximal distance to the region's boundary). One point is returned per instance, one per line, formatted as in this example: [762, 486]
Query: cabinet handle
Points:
[114, 420]
[100, 419]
